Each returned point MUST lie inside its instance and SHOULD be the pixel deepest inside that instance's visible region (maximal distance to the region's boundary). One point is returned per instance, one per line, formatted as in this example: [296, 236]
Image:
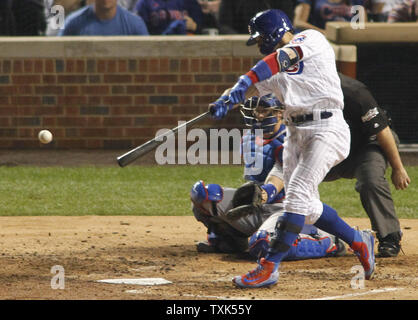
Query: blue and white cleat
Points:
[266, 274]
[363, 246]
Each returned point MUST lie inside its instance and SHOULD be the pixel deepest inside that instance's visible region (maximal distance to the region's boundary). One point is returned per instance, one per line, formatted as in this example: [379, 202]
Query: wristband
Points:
[270, 190]
[264, 69]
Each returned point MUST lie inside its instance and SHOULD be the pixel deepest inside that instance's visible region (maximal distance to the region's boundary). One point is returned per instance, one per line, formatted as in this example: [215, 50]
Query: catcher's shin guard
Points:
[287, 230]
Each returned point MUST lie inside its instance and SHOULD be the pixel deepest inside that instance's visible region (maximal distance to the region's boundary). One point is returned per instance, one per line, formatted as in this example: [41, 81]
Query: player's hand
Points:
[400, 178]
[220, 108]
[237, 93]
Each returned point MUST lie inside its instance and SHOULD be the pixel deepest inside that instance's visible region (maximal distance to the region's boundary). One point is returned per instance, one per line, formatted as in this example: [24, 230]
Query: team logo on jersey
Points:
[296, 69]
[298, 39]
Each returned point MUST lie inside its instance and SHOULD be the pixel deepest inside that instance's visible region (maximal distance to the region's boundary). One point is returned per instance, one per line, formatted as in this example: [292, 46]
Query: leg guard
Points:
[287, 230]
[308, 247]
[259, 244]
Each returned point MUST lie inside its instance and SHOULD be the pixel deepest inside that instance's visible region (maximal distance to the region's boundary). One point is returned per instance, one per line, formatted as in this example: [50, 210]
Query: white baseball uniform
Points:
[311, 148]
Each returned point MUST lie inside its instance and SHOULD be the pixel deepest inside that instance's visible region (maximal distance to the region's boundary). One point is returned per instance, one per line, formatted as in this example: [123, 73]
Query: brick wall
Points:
[112, 93]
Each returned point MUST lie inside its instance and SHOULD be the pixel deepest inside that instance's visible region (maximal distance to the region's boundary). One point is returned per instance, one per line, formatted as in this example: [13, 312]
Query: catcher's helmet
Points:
[269, 104]
[200, 192]
[270, 25]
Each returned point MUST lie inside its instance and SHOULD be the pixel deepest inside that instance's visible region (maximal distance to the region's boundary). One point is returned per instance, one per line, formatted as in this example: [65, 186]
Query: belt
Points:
[309, 117]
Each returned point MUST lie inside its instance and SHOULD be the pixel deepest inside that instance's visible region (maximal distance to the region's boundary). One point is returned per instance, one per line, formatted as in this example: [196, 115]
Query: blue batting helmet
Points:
[270, 25]
[269, 104]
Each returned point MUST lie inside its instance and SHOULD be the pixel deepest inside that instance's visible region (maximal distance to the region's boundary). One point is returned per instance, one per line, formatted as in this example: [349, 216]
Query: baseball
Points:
[45, 136]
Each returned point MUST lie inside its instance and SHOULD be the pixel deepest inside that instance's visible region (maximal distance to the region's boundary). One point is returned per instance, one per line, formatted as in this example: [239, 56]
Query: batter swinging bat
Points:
[148, 146]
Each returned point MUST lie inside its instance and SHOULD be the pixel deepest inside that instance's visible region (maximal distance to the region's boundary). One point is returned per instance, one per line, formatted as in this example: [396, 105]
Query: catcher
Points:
[251, 211]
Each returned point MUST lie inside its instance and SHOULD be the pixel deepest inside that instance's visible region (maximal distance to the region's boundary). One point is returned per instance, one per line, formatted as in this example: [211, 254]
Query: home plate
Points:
[138, 281]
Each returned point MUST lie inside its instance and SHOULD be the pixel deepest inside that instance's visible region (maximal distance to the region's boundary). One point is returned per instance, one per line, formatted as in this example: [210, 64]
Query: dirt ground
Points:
[92, 248]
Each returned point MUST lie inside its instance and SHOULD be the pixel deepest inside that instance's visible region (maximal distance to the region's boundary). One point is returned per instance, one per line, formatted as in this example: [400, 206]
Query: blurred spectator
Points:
[7, 20]
[165, 17]
[128, 4]
[234, 15]
[210, 10]
[407, 11]
[29, 16]
[103, 18]
[314, 14]
[380, 9]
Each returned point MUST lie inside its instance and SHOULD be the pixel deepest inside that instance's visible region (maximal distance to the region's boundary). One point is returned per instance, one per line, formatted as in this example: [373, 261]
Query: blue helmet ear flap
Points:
[200, 193]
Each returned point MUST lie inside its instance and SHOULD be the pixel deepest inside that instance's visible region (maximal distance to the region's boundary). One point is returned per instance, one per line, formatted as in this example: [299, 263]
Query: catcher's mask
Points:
[201, 193]
[269, 26]
[260, 113]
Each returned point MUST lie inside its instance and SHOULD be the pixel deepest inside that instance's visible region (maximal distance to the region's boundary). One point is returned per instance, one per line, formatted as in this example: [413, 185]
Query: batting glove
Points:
[220, 108]
[237, 94]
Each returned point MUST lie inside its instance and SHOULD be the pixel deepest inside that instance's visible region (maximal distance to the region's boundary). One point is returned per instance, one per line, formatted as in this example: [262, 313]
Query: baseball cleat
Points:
[205, 247]
[363, 246]
[266, 274]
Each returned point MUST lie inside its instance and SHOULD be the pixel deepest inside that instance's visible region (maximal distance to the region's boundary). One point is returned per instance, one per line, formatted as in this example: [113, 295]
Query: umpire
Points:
[373, 147]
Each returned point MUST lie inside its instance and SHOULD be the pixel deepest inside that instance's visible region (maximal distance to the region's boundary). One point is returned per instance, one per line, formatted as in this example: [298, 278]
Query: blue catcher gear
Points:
[311, 247]
[266, 105]
[200, 193]
[305, 246]
[270, 25]
[258, 244]
[259, 156]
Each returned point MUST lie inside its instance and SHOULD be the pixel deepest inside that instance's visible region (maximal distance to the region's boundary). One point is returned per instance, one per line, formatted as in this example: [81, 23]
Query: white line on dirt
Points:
[140, 281]
[359, 294]
[144, 268]
[190, 295]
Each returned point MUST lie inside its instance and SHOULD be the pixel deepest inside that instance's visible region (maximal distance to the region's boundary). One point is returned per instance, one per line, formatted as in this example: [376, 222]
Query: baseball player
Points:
[300, 70]
[252, 233]
[216, 207]
[373, 145]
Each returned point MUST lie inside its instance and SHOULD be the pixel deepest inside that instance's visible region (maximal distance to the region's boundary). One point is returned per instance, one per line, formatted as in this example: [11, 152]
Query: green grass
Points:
[148, 190]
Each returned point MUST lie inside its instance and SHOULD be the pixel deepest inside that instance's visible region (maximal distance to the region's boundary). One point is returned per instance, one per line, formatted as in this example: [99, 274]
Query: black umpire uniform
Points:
[367, 163]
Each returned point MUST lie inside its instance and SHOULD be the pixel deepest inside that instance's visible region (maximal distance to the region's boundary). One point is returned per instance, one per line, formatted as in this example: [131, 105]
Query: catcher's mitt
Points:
[247, 200]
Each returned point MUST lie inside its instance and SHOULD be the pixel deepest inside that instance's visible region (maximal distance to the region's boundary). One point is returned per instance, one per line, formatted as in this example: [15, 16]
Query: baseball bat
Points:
[150, 145]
